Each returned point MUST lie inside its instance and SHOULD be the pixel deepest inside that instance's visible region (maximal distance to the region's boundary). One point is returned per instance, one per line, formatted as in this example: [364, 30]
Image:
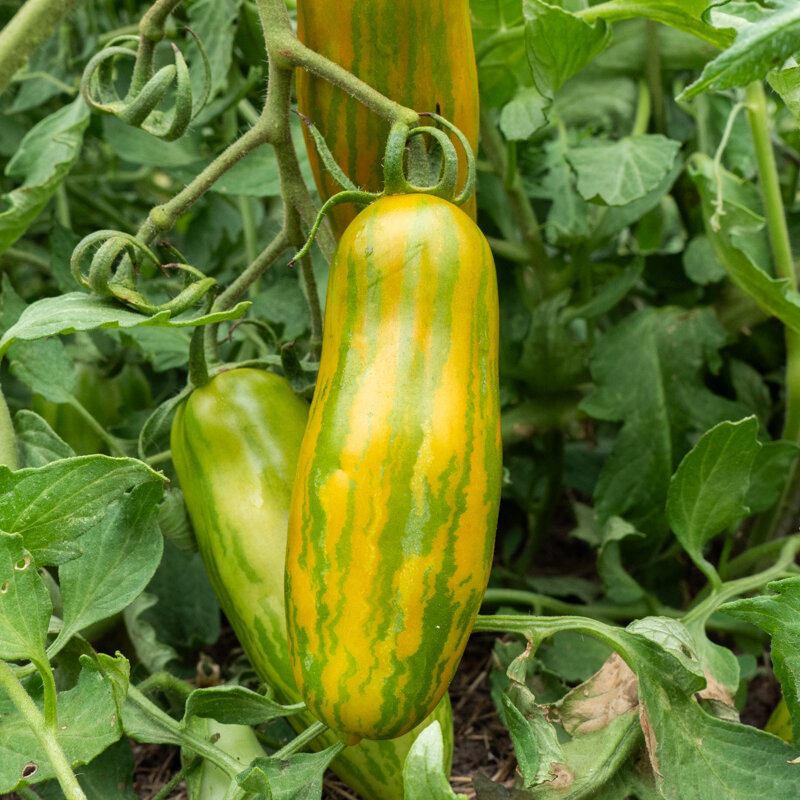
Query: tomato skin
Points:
[234, 444]
[395, 501]
[432, 70]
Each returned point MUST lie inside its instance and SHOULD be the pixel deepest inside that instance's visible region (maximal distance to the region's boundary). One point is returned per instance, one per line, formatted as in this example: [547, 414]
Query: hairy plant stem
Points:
[44, 733]
[521, 208]
[774, 524]
[30, 26]
[152, 30]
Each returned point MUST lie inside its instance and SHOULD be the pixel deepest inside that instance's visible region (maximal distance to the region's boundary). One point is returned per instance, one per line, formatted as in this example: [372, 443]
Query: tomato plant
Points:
[622, 322]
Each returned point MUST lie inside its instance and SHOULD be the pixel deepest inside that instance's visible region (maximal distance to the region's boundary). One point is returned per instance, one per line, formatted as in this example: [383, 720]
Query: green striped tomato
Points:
[235, 443]
[433, 69]
[395, 501]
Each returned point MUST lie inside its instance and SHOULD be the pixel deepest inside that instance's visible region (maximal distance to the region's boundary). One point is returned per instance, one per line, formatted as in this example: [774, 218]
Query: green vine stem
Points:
[773, 525]
[152, 30]
[302, 739]
[43, 732]
[698, 615]
[30, 26]
[8, 443]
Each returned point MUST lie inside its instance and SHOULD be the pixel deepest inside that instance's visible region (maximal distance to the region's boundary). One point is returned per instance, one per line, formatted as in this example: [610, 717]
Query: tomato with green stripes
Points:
[235, 443]
[395, 501]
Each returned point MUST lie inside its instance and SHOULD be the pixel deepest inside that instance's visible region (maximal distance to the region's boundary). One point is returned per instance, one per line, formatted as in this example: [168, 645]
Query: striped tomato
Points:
[395, 501]
[423, 59]
[235, 443]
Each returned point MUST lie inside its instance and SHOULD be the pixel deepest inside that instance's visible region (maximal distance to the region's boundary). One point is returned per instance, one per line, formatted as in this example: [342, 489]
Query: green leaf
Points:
[424, 772]
[139, 147]
[37, 442]
[53, 505]
[77, 311]
[559, 44]
[708, 490]
[45, 368]
[234, 704]
[154, 654]
[25, 605]
[739, 239]
[768, 477]
[214, 22]
[119, 557]
[779, 615]
[759, 48]
[297, 778]
[699, 757]
[46, 154]
[700, 261]
[523, 115]
[617, 173]
[649, 375]
[87, 724]
[608, 295]
[187, 613]
[786, 83]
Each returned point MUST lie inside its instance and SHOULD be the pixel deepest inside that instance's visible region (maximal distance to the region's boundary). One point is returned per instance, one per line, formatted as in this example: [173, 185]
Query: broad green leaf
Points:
[77, 311]
[786, 83]
[708, 490]
[214, 22]
[608, 295]
[45, 368]
[549, 358]
[573, 656]
[523, 115]
[46, 154]
[424, 775]
[559, 44]
[53, 505]
[621, 587]
[700, 261]
[187, 613]
[649, 375]
[87, 724]
[154, 654]
[25, 605]
[698, 757]
[617, 173]
[139, 147]
[736, 242]
[229, 704]
[779, 615]
[770, 468]
[759, 48]
[298, 777]
[37, 442]
[685, 15]
[119, 557]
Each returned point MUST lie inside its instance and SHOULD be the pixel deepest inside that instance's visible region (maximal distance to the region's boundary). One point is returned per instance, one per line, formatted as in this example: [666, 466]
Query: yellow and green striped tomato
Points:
[395, 501]
[235, 443]
[416, 52]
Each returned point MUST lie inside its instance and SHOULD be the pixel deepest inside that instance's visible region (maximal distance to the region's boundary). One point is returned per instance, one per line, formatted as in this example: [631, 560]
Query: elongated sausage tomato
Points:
[235, 443]
[395, 501]
[416, 52]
